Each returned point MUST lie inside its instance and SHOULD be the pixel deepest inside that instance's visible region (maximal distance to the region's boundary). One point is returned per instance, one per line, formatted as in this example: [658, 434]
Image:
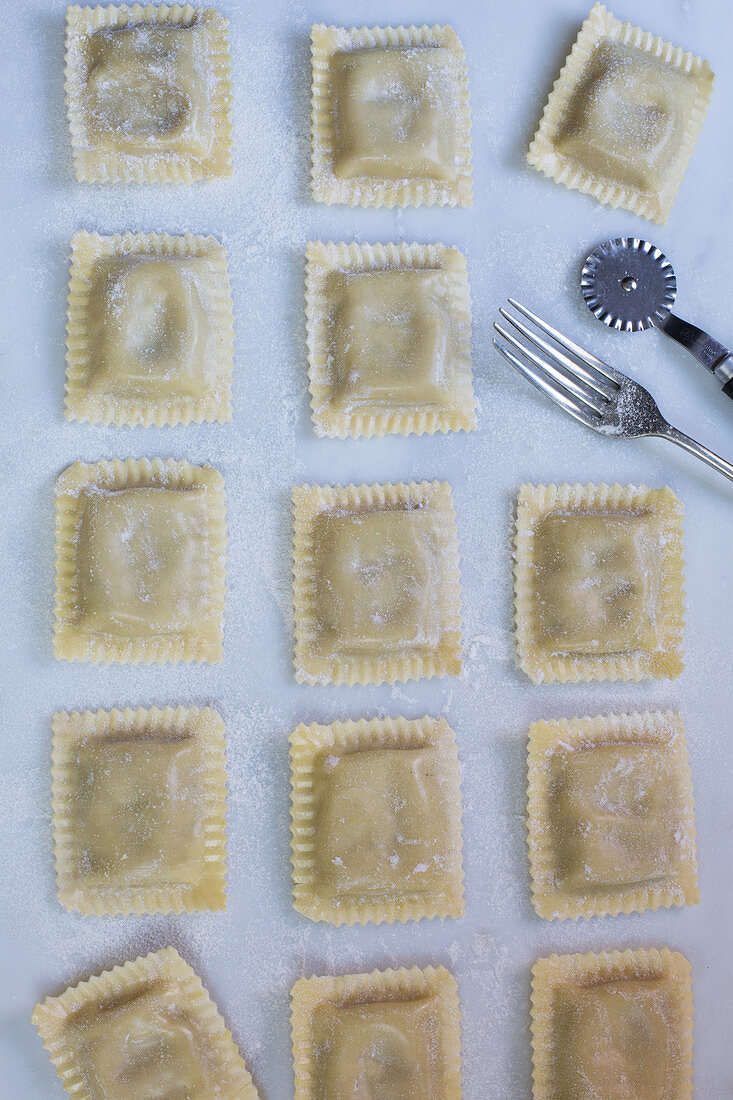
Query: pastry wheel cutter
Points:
[630, 285]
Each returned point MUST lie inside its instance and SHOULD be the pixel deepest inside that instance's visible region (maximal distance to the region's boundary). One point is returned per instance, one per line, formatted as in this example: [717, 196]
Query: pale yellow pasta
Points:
[611, 815]
[390, 116]
[140, 562]
[389, 339]
[145, 1029]
[376, 821]
[388, 1035]
[598, 582]
[617, 1025]
[376, 583]
[623, 117]
[139, 803]
[149, 330]
[149, 93]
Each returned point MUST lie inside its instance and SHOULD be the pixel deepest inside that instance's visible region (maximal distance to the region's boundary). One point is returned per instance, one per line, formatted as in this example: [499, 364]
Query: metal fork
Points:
[593, 392]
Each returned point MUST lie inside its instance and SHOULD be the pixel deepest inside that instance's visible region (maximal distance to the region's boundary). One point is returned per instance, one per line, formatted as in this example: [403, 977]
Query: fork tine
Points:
[548, 388]
[586, 356]
[574, 369]
[562, 382]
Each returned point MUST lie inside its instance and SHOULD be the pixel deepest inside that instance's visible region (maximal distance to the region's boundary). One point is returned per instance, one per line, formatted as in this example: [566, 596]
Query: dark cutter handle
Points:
[714, 357]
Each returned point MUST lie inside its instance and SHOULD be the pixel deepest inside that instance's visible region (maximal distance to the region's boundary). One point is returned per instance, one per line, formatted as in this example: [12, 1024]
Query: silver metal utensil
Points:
[630, 285]
[593, 392]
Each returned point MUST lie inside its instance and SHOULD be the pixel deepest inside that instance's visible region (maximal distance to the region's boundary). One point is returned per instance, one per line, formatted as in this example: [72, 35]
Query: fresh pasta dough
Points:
[148, 1028]
[388, 1035]
[150, 330]
[376, 580]
[139, 804]
[623, 117]
[140, 562]
[391, 116]
[598, 582]
[611, 816]
[149, 93]
[376, 821]
[617, 1025]
[389, 339]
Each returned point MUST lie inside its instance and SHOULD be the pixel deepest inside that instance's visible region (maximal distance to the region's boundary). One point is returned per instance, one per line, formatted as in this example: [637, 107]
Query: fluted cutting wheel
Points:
[629, 284]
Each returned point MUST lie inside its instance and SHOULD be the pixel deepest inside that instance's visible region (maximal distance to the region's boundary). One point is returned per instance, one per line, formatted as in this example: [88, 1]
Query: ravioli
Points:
[388, 1035]
[616, 1025]
[389, 339]
[611, 815]
[139, 804]
[376, 821]
[376, 582]
[148, 1028]
[623, 117]
[149, 93]
[140, 562]
[150, 330]
[391, 117]
[598, 582]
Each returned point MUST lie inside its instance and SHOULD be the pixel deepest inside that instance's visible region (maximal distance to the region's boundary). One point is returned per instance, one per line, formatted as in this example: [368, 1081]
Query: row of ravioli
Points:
[150, 335]
[394, 1029]
[376, 805]
[141, 575]
[139, 815]
[139, 797]
[149, 95]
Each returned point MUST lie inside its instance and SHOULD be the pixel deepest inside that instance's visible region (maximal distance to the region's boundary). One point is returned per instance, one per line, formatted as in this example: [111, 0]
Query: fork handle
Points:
[697, 449]
[713, 355]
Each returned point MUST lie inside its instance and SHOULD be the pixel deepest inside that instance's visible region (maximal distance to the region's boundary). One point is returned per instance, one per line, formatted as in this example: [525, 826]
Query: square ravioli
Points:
[391, 117]
[376, 583]
[388, 1035]
[139, 804]
[623, 117]
[599, 586]
[140, 562]
[145, 1029]
[150, 330]
[614, 1025]
[389, 339]
[149, 93]
[376, 821]
[611, 815]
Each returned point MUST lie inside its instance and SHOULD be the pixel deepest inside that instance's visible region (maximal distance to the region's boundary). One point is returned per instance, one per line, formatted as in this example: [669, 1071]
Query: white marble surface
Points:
[524, 236]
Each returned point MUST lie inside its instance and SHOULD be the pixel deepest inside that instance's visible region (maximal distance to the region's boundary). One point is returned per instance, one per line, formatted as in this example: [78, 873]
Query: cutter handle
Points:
[714, 356]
